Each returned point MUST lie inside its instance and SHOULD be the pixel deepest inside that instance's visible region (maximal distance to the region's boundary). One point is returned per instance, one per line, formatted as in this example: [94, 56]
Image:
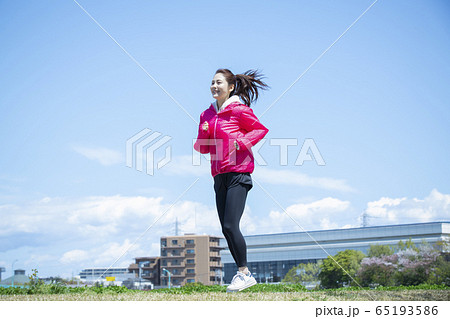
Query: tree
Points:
[441, 272]
[303, 272]
[332, 274]
[443, 245]
[378, 271]
[407, 245]
[415, 265]
[408, 267]
[379, 250]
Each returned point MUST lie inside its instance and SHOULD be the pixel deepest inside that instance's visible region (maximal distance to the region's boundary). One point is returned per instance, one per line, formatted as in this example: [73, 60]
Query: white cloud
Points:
[95, 231]
[325, 223]
[107, 254]
[436, 206]
[100, 215]
[102, 155]
[325, 213]
[74, 256]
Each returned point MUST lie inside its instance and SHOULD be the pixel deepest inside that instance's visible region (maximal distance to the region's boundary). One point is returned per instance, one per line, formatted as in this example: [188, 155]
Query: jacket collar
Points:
[232, 99]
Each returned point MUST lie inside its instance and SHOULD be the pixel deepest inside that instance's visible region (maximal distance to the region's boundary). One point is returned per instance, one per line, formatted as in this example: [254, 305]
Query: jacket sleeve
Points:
[203, 138]
[255, 130]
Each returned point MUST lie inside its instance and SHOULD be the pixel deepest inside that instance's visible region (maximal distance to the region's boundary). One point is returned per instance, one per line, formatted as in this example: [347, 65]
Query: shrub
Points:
[332, 274]
[303, 273]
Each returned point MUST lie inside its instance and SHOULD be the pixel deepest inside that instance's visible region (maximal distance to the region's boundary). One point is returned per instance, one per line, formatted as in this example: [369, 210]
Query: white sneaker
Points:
[241, 281]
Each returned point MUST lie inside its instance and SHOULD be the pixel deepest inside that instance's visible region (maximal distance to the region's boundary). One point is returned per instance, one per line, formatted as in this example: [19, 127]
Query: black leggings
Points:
[231, 193]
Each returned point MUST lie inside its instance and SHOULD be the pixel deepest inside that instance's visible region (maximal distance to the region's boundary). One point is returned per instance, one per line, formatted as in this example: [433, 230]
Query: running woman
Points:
[227, 130]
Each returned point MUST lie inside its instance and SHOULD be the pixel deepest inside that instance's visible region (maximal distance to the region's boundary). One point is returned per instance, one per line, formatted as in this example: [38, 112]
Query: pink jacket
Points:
[234, 122]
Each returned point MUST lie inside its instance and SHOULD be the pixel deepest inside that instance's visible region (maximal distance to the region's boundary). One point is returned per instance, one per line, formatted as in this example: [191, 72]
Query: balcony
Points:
[149, 277]
[215, 248]
[169, 255]
[171, 245]
[214, 274]
[190, 244]
[176, 276]
[215, 264]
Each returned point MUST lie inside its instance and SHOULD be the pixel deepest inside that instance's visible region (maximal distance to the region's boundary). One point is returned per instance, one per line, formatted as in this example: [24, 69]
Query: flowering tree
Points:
[408, 266]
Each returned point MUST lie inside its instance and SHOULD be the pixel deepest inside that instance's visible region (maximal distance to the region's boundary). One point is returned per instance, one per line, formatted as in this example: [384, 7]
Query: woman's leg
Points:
[220, 188]
[234, 208]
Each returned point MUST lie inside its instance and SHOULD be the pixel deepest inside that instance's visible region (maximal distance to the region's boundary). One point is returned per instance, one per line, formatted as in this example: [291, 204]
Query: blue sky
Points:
[375, 105]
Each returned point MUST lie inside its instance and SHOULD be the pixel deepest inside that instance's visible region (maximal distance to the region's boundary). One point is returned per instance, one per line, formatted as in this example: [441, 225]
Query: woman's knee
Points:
[228, 229]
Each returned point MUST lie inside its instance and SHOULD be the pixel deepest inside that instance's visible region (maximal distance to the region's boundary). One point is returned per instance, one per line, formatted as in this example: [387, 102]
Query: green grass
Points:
[194, 292]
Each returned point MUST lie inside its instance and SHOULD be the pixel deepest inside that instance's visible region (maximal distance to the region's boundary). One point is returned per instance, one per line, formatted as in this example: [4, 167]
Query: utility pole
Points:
[14, 273]
[365, 218]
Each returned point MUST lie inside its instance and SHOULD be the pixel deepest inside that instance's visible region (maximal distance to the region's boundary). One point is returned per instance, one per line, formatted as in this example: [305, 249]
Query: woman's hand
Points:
[205, 126]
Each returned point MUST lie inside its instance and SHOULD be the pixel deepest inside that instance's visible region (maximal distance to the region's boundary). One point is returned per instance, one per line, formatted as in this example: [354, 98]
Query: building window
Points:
[190, 261]
[190, 251]
[174, 242]
[175, 253]
[189, 241]
[163, 243]
[190, 271]
[164, 262]
[190, 280]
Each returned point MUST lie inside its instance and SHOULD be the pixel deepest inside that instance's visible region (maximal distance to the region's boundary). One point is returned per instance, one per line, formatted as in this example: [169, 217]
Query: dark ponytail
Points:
[246, 85]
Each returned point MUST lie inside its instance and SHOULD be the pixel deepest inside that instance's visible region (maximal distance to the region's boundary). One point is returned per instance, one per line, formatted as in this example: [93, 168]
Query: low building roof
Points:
[18, 280]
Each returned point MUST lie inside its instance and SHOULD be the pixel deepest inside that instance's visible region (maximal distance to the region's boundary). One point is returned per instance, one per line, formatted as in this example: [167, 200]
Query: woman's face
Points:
[220, 89]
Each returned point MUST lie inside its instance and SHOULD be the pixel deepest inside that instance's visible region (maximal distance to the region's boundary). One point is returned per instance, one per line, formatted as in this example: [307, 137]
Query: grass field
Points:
[336, 295]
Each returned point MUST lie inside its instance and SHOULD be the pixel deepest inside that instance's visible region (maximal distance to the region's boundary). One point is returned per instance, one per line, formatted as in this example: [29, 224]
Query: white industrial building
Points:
[270, 256]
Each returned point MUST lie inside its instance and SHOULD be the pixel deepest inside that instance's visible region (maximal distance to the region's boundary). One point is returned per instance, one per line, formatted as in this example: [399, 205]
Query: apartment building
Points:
[147, 268]
[190, 258]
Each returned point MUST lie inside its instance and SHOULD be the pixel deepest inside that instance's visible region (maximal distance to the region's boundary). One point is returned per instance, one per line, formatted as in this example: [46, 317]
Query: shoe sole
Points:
[242, 288]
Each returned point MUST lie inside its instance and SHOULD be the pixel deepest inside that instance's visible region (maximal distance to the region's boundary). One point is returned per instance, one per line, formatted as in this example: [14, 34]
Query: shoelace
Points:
[238, 275]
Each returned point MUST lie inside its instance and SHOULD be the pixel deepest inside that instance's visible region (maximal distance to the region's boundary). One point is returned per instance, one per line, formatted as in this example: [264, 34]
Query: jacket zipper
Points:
[215, 125]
